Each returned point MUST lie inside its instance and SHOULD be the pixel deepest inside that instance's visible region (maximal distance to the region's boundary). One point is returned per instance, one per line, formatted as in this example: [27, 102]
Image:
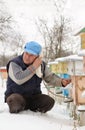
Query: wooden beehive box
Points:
[75, 69]
[82, 53]
[81, 33]
[84, 63]
[83, 40]
[78, 88]
[53, 67]
[75, 65]
[3, 73]
[60, 67]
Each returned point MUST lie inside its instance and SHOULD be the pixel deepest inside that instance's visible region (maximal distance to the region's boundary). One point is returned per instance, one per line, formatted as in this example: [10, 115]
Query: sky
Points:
[76, 10]
[25, 11]
[56, 119]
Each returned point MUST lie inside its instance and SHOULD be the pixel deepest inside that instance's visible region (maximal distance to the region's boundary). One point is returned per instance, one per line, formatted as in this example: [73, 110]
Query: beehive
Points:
[78, 88]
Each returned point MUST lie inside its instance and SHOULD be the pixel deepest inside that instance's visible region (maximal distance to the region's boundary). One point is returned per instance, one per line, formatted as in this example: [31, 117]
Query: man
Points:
[23, 83]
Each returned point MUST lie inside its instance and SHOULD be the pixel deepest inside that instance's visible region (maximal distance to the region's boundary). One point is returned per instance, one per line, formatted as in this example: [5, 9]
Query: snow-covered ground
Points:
[28, 120]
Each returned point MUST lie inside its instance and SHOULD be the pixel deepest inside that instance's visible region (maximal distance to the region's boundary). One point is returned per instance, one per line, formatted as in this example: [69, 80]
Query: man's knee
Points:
[16, 103]
[44, 103]
[50, 103]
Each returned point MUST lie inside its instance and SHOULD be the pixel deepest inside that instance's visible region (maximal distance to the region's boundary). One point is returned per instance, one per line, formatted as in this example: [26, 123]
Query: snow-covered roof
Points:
[81, 31]
[81, 52]
[70, 58]
[53, 62]
[67, 59]
[74, 58]
[61, 59]
[3, 67]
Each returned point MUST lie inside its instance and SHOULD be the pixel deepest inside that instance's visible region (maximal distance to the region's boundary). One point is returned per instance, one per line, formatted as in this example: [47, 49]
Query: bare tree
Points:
[5, 21]
[10, 40]
[56, 38]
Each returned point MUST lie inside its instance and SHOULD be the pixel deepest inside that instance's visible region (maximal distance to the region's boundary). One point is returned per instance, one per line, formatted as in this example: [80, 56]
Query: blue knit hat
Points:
[33, 48]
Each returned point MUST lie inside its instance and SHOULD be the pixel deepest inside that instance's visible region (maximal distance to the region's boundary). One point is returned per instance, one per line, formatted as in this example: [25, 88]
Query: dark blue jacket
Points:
[31, 87]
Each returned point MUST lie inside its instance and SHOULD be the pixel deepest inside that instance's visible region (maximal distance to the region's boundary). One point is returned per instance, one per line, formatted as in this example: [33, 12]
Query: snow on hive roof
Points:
[70, 58]
[53, 62]
[81, 52]
[66, 59]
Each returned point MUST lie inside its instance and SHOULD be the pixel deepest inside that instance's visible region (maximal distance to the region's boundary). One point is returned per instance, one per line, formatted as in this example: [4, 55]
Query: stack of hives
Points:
[60, 68]
[80, 79]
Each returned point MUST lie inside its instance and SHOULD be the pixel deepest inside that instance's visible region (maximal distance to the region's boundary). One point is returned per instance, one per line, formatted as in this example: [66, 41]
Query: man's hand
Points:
[65, 82]
[37, 62]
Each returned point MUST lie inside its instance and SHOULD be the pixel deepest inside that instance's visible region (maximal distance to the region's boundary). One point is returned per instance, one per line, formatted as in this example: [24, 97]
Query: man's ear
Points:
[41, 55]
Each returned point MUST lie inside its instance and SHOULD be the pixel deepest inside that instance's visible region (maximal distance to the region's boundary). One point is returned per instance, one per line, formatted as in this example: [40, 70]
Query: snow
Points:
[81, 52]
[28, 120]
[70, 58]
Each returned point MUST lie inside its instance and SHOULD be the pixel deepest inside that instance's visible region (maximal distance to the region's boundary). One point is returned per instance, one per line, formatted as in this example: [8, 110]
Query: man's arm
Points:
[51, 79]
[54, 80]
[18, 75]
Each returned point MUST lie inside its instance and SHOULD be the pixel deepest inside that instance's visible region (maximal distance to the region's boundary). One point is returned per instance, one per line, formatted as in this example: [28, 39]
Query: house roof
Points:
[81, 31]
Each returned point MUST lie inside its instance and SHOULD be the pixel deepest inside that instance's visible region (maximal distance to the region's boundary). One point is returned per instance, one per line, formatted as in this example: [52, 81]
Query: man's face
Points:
[28, 58]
